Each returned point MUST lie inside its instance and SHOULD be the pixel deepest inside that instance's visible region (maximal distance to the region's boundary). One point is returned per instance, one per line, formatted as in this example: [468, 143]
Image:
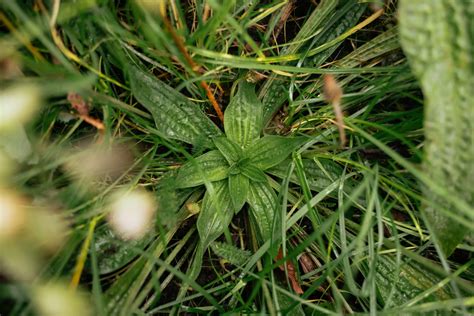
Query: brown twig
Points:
[207, 12]
[194, 66]
[285, 14]
[78, 103]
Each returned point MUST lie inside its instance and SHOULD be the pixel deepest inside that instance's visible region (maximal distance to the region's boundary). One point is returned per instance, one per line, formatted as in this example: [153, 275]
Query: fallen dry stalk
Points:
[78, 103]
[194, 66]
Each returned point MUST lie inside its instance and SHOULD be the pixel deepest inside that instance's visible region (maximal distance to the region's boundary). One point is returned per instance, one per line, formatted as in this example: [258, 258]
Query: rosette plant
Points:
[232, 169]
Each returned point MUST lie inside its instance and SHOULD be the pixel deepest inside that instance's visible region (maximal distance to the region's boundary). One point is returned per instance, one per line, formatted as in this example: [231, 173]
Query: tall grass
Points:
[353, 227]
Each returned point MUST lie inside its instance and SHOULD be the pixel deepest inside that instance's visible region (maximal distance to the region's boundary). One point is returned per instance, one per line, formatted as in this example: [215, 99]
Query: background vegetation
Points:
[92, 220]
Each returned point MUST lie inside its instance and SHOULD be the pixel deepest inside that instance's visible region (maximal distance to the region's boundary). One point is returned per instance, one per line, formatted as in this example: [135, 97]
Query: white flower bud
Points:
[56, 299]
[131, 215]
[18, 104]
[12, 214]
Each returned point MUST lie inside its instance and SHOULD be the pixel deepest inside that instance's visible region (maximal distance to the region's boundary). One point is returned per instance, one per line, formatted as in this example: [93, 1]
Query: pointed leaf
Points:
[263, 207]
[243, 116]
[229, 149]
[253, 173]
[211, 166]
[438, 41]
[238, 186]
[216, 213]
[175, 116]
[269, 151]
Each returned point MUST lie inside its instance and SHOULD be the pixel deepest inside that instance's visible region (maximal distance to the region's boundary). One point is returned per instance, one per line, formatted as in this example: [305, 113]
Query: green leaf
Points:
[196, 266]
[170, 200]
[253, 173]
[15, 143]
[175, 116]
[112, 253]
[239, 186]
[263, 207]
[230, 150]
[437, 39]
[400, 282]
[216, 213]
[288, 305]
[231, 253]
[269, 151]
[211, 166]
[243, 116]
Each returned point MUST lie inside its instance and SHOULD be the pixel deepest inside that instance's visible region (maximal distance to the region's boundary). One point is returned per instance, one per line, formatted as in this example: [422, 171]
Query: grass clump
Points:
[262, 190]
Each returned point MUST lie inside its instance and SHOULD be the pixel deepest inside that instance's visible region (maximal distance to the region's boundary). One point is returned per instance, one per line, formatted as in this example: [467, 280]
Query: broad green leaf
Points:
[269, 151]
[243, 116]
[112, 253]
[263, 207]
[215, 216]
[342, 20]
[211, 166]
[230, 253]
[239, 187]
[175, 116]
[230, 150]
[398, 283]
[437, 38]
[287, 304]
[216, 213]
[253, 173]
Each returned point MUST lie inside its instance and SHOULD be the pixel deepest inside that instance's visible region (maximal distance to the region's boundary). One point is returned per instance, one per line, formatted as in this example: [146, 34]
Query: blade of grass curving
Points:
[301, 175]
[273, 92]
[460, 205]
[145, 292]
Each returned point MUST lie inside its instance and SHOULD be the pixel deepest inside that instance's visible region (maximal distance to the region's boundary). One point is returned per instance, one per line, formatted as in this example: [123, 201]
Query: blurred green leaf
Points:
[112, 253]
[437, 39]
